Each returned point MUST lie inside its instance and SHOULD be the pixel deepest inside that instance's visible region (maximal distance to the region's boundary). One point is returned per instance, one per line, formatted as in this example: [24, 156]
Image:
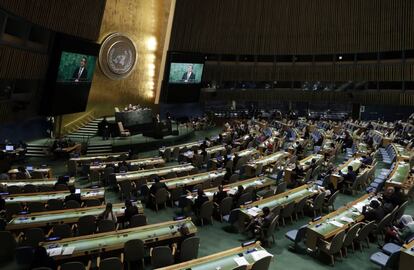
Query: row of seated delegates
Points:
[122, 166]
[259, 225]
[16, 174]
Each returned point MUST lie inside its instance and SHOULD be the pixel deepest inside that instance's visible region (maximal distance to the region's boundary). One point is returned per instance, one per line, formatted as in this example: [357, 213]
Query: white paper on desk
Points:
[189, 197]
[68, 251]
[241, 261]
[254, 211]
[258, 182]
[347, 219]
[54, 251]
[260, 254]
[209, 194]
[359, 207]
[232, 191]
[336, 223]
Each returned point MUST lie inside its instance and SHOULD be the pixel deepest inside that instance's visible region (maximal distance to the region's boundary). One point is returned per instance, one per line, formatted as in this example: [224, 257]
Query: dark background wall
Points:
[26, 30]
[292, 26]
[347, 45]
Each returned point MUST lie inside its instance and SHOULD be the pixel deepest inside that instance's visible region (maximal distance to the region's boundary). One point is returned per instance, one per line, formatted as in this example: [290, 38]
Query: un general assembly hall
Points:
[206, 134]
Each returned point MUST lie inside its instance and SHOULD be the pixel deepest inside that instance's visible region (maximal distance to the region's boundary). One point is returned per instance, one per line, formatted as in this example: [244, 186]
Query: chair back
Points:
[8, 244]
[262, 264]
[206, 210]
[276, 210]
[134, 250]
[268, 193]
[301, 234]
[113, 263]
[332, 199]
[161, 196]
[167, 154]
[272, 227]
[234, 178]
[189, 249]
[319, 200]
[351, 235]
[288, 209]
[30, 188]
[365, 231]
[384, 223]
[300, 205]
[54, 204]
[62, 230]
[24, 255]
[14, 190]
[246, 197]
[400, 211]
[138, 220]
[33, 236]
[86, 225]
[281, 187]
[71, 204]
[36, 207]
[93, 202]
[337, 242]
[161, 256]
[72, 266]
[106, 225]
[225, 206]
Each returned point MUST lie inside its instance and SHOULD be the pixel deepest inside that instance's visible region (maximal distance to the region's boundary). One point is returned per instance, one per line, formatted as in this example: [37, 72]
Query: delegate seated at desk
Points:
[157, 185]
[349, 177]
[374, 212]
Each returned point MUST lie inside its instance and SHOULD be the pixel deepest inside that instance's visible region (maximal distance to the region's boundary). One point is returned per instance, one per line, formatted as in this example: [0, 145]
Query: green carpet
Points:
[215, 239]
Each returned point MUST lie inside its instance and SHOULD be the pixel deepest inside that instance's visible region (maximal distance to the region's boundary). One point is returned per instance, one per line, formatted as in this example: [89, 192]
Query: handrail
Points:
[76, 121]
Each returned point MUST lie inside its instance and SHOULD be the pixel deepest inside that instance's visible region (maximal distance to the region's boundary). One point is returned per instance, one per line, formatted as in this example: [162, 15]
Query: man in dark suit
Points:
[189, 76]
[81, 73]
[157, 185]
[73, 196]
[220, 195]
[201, 198]
[375, 212]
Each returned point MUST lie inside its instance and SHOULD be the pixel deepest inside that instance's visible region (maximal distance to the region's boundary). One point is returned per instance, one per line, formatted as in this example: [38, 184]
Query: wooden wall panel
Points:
[292, 26]
[81, 18]
[21, 64]
[385, 97]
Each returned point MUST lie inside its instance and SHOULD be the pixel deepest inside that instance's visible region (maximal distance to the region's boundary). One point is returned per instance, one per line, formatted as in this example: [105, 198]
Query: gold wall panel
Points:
[144, 22]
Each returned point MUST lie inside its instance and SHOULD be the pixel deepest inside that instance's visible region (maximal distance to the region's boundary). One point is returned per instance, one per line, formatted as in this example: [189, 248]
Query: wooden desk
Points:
[179, 146]
[157, 161]
[224, 260]
[151, 235]
[192, 180]
[407, 256]
[49, 182]
[399, 176]
[401, 153]
[137, 175]
[265, 161]
[48, 218]
[101, 157]
[86, 194]
[282, 199]
[347, 215]
[45, 172]
[305, 164]
[246, 152]
[336, 178]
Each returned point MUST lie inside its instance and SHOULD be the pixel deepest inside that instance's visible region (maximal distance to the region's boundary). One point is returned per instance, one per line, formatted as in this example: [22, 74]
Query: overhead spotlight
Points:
[340, 57]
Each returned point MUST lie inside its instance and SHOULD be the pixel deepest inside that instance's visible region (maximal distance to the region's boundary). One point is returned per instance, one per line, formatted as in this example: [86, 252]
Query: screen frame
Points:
[190, 92]
[64, 43]
[186, 63]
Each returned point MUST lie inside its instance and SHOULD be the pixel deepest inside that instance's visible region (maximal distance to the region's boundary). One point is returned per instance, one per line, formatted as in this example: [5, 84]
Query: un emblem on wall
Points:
[117, 56]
